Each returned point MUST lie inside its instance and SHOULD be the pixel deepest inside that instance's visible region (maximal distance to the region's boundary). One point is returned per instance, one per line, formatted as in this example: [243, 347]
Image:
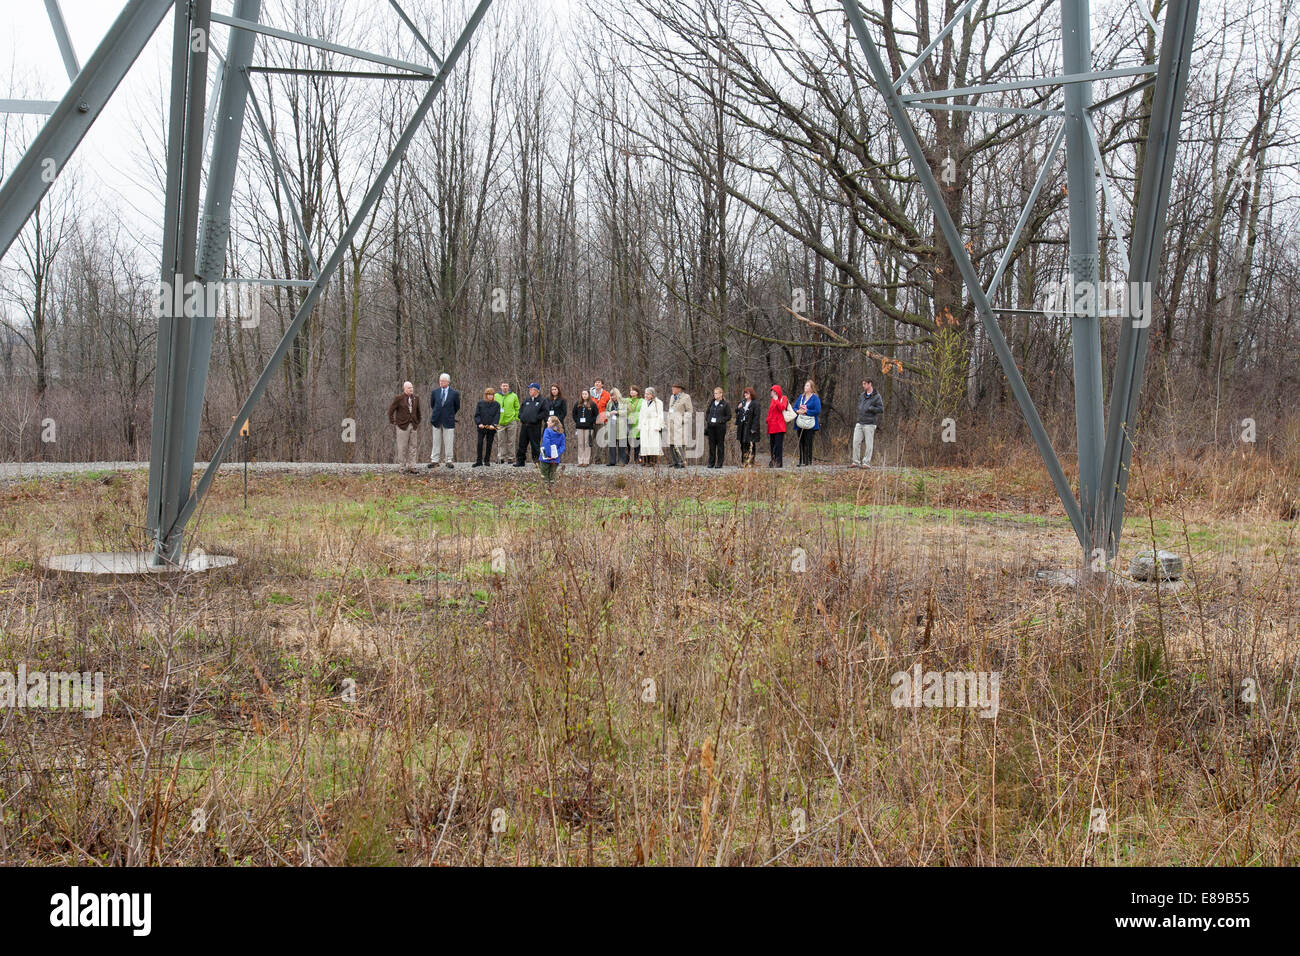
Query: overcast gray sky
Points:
[110, 166]
[111, 161]
[108, 161]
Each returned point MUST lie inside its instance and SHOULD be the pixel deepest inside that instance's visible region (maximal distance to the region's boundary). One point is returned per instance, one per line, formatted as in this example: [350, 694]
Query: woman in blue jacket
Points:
[552, 448]
[808, 413]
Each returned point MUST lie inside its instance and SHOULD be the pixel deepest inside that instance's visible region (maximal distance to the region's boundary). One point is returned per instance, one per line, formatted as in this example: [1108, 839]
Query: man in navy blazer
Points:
[444, 403]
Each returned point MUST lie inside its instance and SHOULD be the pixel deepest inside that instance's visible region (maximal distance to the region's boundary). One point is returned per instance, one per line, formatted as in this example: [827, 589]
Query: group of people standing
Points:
[635, 428]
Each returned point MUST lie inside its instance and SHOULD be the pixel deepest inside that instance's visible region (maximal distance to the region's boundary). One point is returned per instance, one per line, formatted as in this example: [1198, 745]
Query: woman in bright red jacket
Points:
[776, 425]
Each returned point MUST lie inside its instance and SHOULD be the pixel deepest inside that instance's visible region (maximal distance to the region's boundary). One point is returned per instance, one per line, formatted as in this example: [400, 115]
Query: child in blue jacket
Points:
[552, 448]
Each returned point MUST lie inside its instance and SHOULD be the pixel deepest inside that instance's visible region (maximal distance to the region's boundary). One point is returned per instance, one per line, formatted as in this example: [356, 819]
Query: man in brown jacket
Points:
[404, 415]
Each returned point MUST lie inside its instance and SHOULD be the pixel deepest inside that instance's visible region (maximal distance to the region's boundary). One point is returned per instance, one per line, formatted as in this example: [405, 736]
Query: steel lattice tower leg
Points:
[167, 477]
[1097, 514]
[1084, 268]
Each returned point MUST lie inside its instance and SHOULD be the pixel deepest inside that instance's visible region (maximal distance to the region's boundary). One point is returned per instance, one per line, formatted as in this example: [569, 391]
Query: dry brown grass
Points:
[522, 690]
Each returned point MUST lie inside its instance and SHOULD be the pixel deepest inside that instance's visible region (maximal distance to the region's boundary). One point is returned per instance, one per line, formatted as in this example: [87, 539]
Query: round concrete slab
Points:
[132, 562]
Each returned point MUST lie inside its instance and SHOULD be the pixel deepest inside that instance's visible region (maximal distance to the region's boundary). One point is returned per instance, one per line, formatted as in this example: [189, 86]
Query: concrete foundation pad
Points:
[132, 563]
[1149, 565]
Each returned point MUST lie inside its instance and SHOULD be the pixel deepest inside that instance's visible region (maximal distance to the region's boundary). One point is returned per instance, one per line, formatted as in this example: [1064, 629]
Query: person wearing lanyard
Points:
[716, 417]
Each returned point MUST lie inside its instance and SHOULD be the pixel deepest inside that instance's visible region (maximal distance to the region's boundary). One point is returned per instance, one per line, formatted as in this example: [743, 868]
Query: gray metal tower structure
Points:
[1097, 515]
[194, 244]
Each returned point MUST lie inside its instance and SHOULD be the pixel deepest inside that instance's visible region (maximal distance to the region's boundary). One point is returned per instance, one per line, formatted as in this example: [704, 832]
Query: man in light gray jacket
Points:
[681, 416]
[870, 407]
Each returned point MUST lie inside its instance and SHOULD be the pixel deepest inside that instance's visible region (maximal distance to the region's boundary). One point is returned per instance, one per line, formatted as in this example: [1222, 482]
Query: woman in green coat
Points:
[634, 422]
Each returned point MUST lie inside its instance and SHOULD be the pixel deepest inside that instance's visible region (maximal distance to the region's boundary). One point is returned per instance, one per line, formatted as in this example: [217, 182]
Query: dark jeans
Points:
[618, 452]
[717, 436]
[805, 445]
[530, 436]
[776, 444]
[485, 438]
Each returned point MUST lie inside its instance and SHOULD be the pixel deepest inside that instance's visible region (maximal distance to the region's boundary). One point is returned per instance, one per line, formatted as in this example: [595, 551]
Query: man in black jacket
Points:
[444, 403]
[870, 407]
[532, 415]
[716, 417]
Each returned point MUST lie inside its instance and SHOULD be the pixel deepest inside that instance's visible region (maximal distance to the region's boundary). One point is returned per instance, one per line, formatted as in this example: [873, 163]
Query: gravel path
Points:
[22, 471]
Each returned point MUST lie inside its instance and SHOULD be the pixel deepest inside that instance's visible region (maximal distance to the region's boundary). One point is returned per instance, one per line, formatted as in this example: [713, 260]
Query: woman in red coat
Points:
[776, 425]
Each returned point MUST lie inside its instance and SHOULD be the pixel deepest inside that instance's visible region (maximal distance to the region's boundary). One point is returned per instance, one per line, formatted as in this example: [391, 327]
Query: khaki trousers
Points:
[444, 445]
[507, 439]
[864, 443]
[408, 442]
[582, 440]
